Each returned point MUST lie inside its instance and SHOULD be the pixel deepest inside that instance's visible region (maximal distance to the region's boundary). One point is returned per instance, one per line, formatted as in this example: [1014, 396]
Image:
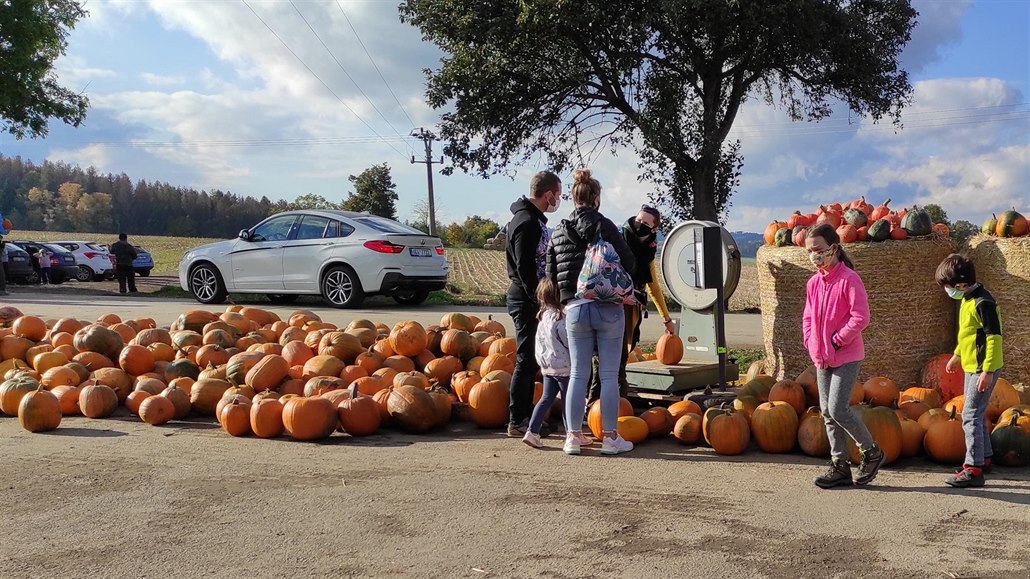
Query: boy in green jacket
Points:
[979, 354]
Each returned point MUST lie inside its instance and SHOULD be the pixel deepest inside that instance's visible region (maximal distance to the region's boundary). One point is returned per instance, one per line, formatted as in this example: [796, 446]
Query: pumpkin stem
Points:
[952, 412]
[354, 390]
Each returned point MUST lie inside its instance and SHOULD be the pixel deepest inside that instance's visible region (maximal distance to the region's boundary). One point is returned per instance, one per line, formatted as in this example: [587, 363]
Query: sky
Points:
[279, 99]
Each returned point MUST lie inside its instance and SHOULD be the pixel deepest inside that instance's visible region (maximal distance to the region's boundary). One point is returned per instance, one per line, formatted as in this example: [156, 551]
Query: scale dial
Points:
[679, 263]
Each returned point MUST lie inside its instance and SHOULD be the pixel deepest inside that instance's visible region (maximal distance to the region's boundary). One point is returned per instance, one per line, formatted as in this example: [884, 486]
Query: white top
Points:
[552, 345]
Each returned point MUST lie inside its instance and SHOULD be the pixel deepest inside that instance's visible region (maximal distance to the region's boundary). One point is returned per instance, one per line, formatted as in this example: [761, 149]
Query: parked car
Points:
[93, 259]
[342, 256]
[19, 265]
[143, 263]
[62, 262]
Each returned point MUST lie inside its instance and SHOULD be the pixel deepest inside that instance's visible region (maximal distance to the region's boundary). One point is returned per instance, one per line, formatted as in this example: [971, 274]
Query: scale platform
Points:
[657, 378]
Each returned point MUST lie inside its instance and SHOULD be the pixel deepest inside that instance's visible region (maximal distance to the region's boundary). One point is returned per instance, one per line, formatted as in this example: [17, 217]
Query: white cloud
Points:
[161, 80]
[75, 73]
[94, 155]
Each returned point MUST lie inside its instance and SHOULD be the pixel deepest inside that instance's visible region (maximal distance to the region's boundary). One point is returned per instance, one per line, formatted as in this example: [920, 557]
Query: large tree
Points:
[560, 78]
[33, 33]
[374, 192]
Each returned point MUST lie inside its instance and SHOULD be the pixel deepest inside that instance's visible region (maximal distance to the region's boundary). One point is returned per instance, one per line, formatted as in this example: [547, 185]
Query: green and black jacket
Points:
[979, 332]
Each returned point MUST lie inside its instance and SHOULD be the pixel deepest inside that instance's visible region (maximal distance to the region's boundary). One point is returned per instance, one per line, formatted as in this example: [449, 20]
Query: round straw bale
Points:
[1003, 267]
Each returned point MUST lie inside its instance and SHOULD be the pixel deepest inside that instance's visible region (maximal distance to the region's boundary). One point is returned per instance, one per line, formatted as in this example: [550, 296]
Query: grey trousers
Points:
[974, 420]
[835, 386]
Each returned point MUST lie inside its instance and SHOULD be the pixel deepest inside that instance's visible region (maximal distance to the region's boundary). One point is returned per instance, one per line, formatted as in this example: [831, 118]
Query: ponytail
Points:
[843, 257]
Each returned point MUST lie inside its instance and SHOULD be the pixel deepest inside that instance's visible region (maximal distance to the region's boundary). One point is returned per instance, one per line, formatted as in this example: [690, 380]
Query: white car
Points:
[340, 255]
[93, 259]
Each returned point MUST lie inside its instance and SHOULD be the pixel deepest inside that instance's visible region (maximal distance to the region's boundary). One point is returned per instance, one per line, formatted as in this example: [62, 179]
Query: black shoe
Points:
[838, 475]
[965, 478]
[518, 430]
[872, 460]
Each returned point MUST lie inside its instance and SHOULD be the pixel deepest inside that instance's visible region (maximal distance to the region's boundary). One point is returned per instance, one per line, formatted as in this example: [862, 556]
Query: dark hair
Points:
[122, 236]
[956, 269]
[651, 211]
[830, 236]
[543, 182]
[548, 298]
[585, 189]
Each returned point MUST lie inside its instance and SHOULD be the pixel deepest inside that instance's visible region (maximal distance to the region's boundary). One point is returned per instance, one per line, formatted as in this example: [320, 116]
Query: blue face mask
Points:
[955, 293]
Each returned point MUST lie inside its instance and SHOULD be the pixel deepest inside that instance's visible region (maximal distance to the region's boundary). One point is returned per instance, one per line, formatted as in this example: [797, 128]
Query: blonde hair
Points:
[585, 189]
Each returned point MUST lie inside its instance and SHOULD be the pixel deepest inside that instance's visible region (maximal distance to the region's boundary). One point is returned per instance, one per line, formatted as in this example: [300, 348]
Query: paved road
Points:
[743, 330]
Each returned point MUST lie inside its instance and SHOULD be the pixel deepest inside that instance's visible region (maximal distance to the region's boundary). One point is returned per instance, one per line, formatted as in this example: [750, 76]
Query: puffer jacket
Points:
[552, 344]
[567, 249]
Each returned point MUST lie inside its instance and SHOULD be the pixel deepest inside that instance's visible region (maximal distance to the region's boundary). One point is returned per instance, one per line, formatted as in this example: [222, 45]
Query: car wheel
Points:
[341, 287]
[206, 284]
[282, 298]
[84, 273]
[31, 279]
[411, 297]
[144, 273]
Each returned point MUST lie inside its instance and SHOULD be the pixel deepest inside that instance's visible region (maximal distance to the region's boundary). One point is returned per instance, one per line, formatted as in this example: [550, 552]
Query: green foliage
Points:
[33, 34]
[472, 233]
[962, 230]
[522, 79]
[937, 213]
[312, 201]
[374, 192]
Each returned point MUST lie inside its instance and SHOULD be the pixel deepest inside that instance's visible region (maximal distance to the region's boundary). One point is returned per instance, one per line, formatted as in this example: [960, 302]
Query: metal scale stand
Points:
[700, 265]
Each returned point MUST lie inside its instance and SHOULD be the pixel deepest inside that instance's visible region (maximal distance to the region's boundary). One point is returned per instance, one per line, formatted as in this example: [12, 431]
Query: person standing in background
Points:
[124, 255]
[525, 254]
[43, 258]
[3, 270]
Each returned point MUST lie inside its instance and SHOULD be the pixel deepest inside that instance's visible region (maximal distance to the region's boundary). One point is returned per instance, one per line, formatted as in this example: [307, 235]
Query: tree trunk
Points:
[704, 190]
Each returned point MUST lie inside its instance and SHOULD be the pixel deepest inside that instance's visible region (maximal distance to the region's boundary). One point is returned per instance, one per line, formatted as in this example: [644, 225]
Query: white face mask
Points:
[557, 203]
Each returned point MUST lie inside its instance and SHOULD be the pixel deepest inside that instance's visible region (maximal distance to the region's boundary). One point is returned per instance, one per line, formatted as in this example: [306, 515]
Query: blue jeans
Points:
[552, 386]
[594, 326]
[974, 420]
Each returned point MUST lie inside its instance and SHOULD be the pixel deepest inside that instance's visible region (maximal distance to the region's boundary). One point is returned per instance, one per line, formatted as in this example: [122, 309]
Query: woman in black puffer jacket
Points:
[592, 326]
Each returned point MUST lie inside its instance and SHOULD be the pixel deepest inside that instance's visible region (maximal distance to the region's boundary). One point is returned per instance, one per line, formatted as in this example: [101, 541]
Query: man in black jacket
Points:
[525, 254]
[124, 255]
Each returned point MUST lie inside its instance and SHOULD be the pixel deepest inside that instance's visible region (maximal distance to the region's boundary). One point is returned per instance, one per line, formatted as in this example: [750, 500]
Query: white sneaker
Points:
[617, 446]
[572, 445]
[532, 439]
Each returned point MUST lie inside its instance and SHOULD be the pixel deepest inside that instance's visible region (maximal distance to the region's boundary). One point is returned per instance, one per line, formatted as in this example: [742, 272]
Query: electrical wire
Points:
[313, 73]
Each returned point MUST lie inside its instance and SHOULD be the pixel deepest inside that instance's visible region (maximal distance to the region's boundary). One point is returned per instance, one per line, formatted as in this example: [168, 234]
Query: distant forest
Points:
[62, 197]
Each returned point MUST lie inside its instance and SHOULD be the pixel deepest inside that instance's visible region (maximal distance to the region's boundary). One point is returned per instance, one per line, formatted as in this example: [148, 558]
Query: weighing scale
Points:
[700, 265]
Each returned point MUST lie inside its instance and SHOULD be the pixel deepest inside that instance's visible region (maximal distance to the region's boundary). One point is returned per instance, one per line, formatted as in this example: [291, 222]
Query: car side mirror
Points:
[245, 235]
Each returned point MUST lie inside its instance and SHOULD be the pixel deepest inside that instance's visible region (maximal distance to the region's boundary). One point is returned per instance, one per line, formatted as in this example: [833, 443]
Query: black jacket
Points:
[124, 252]
[566, 252]
[644, 250]
[525, 232]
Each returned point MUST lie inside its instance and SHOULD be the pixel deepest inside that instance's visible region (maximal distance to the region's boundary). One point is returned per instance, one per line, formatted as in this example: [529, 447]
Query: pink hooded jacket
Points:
[836, 312]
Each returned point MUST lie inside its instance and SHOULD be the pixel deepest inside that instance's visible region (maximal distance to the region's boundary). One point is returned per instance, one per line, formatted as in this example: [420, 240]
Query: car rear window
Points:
[384, 225]
[96, 247]
[69, 246]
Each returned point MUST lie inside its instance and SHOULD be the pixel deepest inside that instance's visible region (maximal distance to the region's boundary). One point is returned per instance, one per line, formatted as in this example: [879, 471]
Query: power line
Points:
[301, 60]
[376, 66]
[339, 64]
[313, 141]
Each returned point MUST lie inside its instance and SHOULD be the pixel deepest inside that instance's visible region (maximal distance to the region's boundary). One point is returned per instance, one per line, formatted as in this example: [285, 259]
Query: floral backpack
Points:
[603, 279]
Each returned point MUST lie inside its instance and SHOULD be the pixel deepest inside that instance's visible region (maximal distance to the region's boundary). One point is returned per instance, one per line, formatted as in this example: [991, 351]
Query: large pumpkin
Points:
[180, 400]
[726, 431]
[793, 393]
[443, 369]
[1010, 441]
[812, 437]
[266, 418]
[669, 350]
[205, 394]
[412, 408]
[632, 428]
[488, 404]
[239, 365]
[116, 378]
[39, 411]
[1011, 224]
[68, 397]
[912, 436]
[497, 362]
[235, 418]
[442, 403]
[935, 375]
[97, 401]
[460, 344]
[917, 222]
[29, 327]
[181, 368]
[1002, 398]
[309, 418]
[156, 410]
[359, 414]
[885, 427]
[774, 425]
[945, 440]
[929, 396]
[323, 365]
[13, 390]
[267, 373]
[809, 381]
[659, 421]
[880, 391]
[97, 338]
[194, 320]
[408, 338]
[594, 421]
[341, 345]
[684, 407]
[758, 388]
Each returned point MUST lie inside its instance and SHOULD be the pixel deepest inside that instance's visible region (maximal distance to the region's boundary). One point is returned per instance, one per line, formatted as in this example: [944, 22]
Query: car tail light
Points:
[384, 247]
[439, 250]
[90, 254]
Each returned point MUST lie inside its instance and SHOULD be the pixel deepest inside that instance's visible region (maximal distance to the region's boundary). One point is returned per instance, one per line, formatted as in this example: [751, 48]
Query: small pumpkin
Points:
[669, 349]
[235, 418]
[771, 230]
[880, 230]
[359, 414]
[990, 225]
[659, 421]
[783, 238]
[812, 437]
[856, 217]
[945, 440]
[1010, 441]
[789, 391]
[97, 401]
[156, 410]
[632, 428]
[594, 421]
[912, 436]
[688, 429]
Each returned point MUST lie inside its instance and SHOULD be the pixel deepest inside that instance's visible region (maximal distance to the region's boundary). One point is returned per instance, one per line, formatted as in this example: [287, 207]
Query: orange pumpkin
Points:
[688, 429]
[880, 391]
[235, 418]
[594, 421]
[408, 338]
[97, 401]
[793, 393]
[847, 233]
[156, 410]
[632, 429]
[669, 350]
[29, 327]
[39, 411]
[359, 414]
[488, 404]
[266, 418]
[68, 397]
[945, 441]
[774, 425]
[682, 408]
[659, 421]
[309, 418]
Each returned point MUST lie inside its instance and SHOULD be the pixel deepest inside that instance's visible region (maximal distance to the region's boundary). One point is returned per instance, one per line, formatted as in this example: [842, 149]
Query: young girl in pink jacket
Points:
[836, 312]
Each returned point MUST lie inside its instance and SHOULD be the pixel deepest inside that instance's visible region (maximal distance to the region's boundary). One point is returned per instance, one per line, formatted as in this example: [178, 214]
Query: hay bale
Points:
[1003, 266]
[911, 318]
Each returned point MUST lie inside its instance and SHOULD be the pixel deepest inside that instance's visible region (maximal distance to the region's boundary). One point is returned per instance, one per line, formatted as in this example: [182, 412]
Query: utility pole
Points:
[428, 138]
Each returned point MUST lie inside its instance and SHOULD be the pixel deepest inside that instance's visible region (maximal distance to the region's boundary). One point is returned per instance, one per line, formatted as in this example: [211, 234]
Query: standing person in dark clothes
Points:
[525, 253]
[124, 254]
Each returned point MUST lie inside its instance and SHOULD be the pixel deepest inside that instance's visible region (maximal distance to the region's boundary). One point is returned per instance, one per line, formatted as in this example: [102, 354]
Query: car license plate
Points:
[420, 251]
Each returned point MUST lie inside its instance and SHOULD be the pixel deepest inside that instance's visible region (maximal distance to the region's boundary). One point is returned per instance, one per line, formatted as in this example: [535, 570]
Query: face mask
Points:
[819, 258]
[955, 293]
[643, 230]
[552, 208]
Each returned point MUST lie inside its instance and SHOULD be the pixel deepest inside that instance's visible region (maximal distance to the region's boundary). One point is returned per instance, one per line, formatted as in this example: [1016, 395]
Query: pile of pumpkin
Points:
[856, 221]
[1010, 224]
[784, 415]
